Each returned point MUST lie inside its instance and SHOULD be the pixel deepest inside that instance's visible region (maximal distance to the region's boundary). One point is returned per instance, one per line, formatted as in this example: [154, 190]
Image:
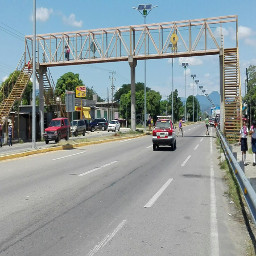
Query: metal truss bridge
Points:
[186, 38]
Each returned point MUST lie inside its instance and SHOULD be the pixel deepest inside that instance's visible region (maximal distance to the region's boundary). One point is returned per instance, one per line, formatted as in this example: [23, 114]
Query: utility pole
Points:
[112, 78]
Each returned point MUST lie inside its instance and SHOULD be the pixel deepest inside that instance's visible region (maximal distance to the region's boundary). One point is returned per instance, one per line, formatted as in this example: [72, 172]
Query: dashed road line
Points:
[96, 169]
[59, 158]
[107, 239]
[184, 163]
[158, 194]
[195, 148]
[201, 139]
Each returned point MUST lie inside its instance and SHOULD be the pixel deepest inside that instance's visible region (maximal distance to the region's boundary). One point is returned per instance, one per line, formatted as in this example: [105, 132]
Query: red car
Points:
[164, 134]
[58, 129]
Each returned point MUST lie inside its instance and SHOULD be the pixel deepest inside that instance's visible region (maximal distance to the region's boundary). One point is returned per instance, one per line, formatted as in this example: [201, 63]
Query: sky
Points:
[65, 16]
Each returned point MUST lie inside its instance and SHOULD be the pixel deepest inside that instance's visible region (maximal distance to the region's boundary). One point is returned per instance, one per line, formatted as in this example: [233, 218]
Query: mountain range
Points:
[205, 104]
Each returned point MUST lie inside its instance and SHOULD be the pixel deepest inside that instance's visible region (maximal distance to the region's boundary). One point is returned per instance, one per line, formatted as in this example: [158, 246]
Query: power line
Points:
[12, 32]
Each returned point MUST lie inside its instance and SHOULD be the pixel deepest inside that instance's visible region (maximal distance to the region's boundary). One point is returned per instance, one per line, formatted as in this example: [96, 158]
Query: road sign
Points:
[80, 91]
[70, 101]
[174, 39]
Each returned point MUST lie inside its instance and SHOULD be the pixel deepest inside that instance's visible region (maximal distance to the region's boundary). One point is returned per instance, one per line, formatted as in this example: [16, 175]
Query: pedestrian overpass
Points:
[186, 38]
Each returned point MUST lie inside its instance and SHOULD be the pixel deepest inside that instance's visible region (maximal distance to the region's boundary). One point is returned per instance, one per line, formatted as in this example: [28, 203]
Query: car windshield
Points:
[55, 123]
[112, 122]
[163, 124]
[74, 123]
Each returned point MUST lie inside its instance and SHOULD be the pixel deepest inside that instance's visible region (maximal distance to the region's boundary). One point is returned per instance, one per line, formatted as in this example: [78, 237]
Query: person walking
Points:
[1, 134]
[180, 128]
[67, 51]
[253, 141]
[243, 140]
[207, 125]
[10, 134]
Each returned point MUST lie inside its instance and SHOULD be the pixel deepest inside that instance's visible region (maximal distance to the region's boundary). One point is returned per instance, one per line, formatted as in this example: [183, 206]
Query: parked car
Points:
[58, 129]
[114, 126]
[164, 134]
[98, 124]
[78, 127]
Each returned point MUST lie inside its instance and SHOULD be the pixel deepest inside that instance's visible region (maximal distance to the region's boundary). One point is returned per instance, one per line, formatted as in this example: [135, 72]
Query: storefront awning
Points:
[86, 112]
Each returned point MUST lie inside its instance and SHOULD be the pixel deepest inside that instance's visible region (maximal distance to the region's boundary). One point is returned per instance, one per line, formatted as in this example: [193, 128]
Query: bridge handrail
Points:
[245, 186]
[19, 67]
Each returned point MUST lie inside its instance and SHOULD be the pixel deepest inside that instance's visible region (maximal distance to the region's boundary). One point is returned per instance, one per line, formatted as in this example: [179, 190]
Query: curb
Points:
[64, 147]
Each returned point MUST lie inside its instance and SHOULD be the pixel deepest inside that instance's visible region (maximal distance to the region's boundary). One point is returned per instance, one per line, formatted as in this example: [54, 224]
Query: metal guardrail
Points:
[246, 187]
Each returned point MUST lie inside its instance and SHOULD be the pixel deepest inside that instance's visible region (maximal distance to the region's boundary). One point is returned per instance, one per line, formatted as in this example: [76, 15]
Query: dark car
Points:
[98, 124]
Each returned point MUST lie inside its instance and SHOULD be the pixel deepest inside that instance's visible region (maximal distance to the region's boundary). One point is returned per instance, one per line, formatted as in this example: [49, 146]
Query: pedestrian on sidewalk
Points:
[1, 134]
[243, 140]
[253, 134]
[10, 134]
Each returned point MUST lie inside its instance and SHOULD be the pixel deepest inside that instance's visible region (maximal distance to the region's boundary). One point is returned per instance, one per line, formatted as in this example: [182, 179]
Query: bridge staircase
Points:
[232, 94]
[13, 92]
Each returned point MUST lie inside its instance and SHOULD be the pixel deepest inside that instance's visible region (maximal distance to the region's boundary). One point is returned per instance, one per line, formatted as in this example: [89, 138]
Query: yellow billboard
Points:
[80, 92]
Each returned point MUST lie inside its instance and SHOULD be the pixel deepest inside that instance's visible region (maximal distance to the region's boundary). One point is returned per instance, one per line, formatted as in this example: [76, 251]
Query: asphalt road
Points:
[119, 198]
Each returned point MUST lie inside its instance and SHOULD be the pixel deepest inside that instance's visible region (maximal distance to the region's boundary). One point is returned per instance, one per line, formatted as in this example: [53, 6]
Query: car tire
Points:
[76, 133]
[154, 147]
[83, 132]
[58, 138]
[92, 129]
[103, 128]
[47, 142]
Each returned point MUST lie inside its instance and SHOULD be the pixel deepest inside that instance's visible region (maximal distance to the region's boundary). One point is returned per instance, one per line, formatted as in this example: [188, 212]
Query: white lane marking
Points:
[214, 225]
[125, 140]
[158, 194]
[195, 148]
[59, 158]
[184, 163]
[107, 238]
[201, 140]
[149, 146]
[97, 168]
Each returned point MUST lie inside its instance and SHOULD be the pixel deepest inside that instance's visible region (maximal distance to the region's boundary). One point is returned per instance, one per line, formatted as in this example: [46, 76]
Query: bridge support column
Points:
[41, 70]
[133, 64]
[222, 109]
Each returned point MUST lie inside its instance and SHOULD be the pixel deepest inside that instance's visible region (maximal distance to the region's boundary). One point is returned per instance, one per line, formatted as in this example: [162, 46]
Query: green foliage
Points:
[250, 97]
[190, 107]
[69, 81]
[126, 88]
[8, 84]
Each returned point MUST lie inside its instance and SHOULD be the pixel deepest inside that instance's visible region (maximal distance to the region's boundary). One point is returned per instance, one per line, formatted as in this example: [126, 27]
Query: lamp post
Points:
[193, 76]
[34, 79]
[185, 65]
[196, 81]
[145, 9]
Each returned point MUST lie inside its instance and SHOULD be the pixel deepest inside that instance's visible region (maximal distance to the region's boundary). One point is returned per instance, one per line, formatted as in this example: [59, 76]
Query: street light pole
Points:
[193, 76]
[172, 92]
[185, 65]
[197, 81]
[34, 79]
[145, 9]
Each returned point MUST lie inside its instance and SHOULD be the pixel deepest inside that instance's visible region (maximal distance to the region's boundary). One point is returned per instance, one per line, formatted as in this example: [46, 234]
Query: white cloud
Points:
[221, 31]
[43, 14]
[4, 78]
[71, 20]
[193, 61]
[251, 42]
[244, 32]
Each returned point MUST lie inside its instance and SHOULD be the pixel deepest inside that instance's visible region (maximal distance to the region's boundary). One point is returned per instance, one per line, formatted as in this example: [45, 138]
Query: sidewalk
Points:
[249, 169]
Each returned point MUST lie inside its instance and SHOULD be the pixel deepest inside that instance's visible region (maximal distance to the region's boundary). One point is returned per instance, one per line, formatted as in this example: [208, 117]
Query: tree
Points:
[69, 81]
[126, 88]
[153, 103]
[190, 107]
[178, 109]
[250, 97]
[8, 84]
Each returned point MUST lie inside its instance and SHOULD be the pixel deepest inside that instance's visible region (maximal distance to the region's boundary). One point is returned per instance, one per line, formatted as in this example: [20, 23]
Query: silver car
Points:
[114, 126]
[78, 127]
